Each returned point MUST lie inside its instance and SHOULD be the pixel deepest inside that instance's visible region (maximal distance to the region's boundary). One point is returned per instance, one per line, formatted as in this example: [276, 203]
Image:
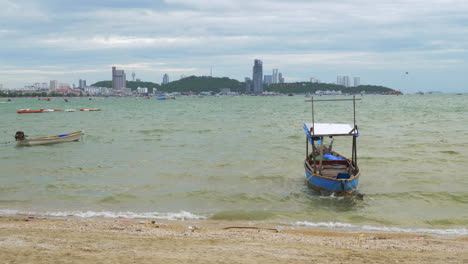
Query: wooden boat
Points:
[326, 170]
[24, 140]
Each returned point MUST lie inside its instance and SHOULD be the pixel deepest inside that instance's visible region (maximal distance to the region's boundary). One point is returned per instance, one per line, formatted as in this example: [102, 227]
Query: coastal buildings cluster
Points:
[253, 85]
[345, 81]
[256, 84]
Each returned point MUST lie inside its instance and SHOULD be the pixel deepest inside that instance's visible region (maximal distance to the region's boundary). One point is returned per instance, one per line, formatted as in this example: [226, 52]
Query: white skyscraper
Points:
[357, 81]
[275, 76]
[280, 78]
[53, 85]
[346, 81]
[343, 80]
[339, 80]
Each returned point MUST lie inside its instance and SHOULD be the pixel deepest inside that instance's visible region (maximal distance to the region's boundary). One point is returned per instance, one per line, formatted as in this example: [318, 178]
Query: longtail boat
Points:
[28, 111]
[327, 171]
[24, 140]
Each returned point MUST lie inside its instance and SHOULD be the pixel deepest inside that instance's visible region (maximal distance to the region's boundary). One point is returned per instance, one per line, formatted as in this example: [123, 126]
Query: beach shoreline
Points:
[28, 239]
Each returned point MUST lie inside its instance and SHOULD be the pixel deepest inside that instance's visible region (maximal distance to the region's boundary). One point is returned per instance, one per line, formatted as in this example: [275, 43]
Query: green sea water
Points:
[239, 158]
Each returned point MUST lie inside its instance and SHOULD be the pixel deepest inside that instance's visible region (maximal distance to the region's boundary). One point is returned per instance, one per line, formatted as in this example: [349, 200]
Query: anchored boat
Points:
[24, 140]
[327, 171]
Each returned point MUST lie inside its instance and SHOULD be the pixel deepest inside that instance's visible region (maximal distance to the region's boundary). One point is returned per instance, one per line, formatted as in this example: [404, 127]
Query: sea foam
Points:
[350, 227]
[182, 215]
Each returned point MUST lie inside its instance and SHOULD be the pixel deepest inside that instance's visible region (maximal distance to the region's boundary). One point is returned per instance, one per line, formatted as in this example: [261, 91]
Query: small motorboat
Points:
[90, 109]
[24, 140]
[27, 111]
[70, 110]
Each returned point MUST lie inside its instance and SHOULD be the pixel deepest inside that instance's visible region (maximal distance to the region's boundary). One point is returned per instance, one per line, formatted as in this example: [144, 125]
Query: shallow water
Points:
[239, 158]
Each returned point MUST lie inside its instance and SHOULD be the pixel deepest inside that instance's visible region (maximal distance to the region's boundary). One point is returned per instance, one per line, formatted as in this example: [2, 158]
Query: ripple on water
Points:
[118, 198]
[243, 215]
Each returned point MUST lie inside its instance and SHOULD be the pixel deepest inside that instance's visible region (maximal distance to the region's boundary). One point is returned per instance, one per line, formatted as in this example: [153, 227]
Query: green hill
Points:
[307, 87]
[199, 84]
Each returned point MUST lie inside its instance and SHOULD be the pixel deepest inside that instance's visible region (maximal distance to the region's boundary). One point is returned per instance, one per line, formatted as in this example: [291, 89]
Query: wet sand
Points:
[41, 240]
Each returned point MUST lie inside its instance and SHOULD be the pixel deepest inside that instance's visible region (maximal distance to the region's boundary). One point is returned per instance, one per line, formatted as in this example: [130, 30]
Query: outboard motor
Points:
[19, 135]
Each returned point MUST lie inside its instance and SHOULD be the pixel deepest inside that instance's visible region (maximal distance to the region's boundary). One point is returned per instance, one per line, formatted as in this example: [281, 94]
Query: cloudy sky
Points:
[379, 41]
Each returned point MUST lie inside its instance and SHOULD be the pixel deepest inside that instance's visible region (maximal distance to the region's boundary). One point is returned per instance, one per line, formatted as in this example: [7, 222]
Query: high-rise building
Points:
[165, 79]
[268, 79]
[257, 76]
[280, 78]
[346, 81]
[118, 79]
[248, 85]
[343, 80]
[275, 76]
[339, 80]
[53, 85]
[357, 81]
[82, 83]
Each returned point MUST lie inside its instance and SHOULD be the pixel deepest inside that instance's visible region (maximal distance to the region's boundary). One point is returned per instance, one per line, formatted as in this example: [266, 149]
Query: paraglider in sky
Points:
[406, 72]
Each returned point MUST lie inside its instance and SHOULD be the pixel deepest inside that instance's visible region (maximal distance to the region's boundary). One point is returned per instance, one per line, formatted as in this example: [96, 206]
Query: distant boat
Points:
[24, 140]
[28, 111]
[90, 109]
[50, 110]
[326, 170]
[393, 93]
[70, 110]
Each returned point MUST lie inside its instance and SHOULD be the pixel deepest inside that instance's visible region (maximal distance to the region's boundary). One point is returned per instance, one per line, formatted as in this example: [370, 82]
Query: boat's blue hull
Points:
[342, 186]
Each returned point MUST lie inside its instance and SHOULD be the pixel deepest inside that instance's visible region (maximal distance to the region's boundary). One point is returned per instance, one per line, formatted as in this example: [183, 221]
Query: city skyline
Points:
[379, 41]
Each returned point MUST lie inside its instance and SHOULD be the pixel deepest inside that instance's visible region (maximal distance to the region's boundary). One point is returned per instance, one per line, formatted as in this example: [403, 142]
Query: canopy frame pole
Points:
[313, 136]
[321, 156]
[354, 110]
[354, 136]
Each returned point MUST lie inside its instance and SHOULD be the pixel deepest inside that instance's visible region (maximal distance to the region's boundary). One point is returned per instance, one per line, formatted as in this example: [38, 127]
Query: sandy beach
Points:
[41, 240]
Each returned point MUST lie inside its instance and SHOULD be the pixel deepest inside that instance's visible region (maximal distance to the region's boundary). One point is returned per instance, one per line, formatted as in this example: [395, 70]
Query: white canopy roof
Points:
[327, 129]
